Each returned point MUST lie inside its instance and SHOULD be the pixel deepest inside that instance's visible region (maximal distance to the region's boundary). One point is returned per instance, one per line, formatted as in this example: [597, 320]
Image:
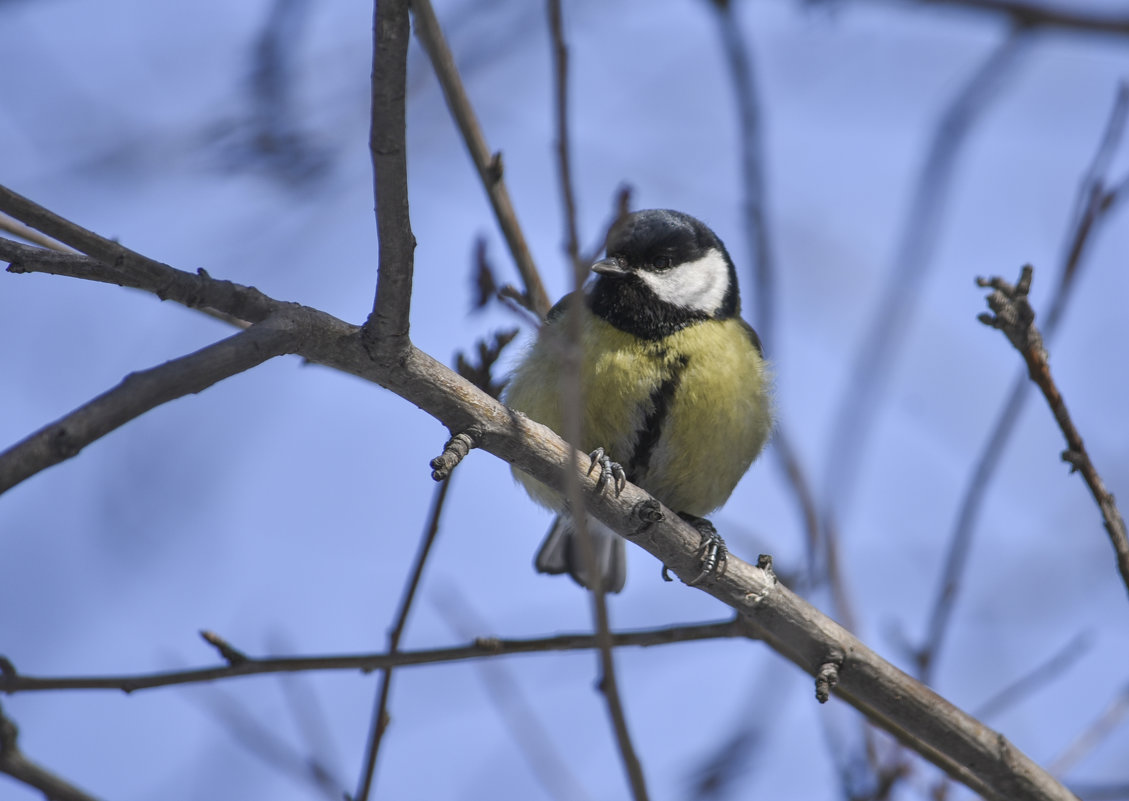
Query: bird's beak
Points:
[609, 267]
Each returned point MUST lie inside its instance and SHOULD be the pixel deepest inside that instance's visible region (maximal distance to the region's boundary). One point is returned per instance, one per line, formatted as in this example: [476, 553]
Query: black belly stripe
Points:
[647, 437]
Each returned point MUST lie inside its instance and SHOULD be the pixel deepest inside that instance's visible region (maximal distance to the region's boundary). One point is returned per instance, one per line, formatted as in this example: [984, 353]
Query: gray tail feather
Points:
[560, 553]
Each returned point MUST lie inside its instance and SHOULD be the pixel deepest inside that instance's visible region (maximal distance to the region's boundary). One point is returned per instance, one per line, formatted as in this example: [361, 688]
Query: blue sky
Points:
[281, 508]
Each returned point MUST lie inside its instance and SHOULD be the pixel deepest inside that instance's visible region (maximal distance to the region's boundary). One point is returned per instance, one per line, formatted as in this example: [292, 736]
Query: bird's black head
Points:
[664, 271]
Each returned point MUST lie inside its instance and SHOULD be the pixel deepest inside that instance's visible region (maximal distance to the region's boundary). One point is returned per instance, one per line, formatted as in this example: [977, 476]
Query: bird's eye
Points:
[663, 262]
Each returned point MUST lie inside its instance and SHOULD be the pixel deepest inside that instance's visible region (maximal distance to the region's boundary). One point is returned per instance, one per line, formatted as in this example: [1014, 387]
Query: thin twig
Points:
[489, 165]
[380, 719]
[1012, 314]
[62, 230]
[13, 763]
[11, 681]
[572, 404]
[138, 393]
[1091, 207]
[196, 291]
[876, 353]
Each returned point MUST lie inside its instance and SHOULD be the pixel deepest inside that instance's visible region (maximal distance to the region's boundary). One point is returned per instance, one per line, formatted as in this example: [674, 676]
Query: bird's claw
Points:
[607, 468]
[712, 553]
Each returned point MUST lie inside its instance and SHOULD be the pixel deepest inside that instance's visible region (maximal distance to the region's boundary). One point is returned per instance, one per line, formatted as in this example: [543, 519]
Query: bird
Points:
[676, 393]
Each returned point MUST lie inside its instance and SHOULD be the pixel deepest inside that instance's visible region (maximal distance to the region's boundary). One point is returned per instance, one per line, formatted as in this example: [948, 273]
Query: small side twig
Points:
[1012, 314]
[231, 654]
[828, 675]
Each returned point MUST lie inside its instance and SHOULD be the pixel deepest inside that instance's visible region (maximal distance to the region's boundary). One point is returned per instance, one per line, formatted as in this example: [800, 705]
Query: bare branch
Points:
[104, 250]
[489, 165]
[387, 327]
[380, 717]
[19, 767]
[11, 681]
[1094, 202]
[197, 291]
[970, 752]
[1012, 314]
[141, 391]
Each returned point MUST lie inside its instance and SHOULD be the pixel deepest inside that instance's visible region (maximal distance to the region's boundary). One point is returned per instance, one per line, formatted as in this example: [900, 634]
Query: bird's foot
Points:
[712, 553]
[608, 469]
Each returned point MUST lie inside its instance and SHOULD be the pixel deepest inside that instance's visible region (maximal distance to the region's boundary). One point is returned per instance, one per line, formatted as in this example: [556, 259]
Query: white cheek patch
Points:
[699, 285]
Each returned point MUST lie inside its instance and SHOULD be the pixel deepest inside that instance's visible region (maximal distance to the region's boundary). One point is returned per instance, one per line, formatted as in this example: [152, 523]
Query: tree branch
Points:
[387, 327]
[489, 166]
[141, 391]
[951, 739]
[1012, 314]
[199, 291]
[11, 681]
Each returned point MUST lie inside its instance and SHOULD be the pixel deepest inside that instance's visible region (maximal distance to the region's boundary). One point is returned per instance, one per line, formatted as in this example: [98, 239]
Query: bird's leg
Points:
[607, 468]
[712, 552]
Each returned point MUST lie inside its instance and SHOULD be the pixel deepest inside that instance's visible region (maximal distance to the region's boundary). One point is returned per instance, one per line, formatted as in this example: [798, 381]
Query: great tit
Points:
[675, 389]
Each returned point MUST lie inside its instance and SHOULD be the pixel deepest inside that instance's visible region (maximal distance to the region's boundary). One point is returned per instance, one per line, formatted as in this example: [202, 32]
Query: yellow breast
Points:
[685, 415]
